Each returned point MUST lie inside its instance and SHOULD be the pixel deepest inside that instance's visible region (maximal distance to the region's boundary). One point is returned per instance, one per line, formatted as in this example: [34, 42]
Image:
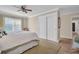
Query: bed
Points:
[18, 42]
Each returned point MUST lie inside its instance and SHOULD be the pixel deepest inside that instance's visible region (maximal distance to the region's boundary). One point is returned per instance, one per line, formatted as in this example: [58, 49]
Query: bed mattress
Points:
[14, 40]
[21, 48]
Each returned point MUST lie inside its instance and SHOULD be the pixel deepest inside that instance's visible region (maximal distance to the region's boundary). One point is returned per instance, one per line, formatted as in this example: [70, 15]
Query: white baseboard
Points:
[66, 37]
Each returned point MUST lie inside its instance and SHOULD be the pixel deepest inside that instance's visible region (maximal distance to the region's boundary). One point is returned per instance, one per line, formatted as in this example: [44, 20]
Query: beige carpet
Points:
[50, 47]
[44, 47]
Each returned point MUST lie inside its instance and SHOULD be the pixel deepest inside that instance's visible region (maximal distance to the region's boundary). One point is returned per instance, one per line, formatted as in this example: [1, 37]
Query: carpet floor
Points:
[44, 47]
[49, 47]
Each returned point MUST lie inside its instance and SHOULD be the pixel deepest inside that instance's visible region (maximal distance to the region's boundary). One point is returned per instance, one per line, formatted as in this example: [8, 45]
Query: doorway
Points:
[75, 26]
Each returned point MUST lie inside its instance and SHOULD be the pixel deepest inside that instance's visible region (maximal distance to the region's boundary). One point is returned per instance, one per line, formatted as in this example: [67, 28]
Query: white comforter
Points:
[15, 39]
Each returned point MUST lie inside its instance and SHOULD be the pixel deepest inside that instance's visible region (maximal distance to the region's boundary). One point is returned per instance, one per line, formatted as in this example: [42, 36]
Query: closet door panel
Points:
[42, 27]
[52, 27]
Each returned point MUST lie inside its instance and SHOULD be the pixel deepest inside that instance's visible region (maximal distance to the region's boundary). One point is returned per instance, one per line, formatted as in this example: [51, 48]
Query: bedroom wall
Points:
[33, 24]
[25, 23]
[66, 27]
[1, 21]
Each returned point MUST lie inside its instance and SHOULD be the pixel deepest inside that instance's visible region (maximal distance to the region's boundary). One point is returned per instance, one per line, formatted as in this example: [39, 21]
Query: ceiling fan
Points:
[24, 9]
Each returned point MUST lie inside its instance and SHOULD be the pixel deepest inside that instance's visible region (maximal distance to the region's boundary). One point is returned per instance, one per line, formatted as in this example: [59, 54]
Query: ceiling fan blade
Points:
[19, 10]
[28, 9]
[24, 11]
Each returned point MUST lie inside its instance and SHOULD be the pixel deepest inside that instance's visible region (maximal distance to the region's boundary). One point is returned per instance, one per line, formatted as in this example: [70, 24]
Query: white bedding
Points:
[22, 48]
[16, 38]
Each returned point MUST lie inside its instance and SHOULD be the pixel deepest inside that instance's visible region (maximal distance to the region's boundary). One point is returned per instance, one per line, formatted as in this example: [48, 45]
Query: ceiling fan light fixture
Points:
[24, 9]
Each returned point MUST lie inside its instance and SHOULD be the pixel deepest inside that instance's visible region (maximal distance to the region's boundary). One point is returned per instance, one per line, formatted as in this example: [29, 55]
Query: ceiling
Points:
[36, 9]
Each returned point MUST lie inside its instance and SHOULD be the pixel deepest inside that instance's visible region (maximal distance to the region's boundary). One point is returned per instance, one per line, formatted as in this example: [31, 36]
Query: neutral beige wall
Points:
[33, 24]
[66, 26]
[24, 23]
[1, 21]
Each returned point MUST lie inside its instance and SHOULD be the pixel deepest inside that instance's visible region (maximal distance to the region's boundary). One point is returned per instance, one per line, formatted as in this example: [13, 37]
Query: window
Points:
[12, 24]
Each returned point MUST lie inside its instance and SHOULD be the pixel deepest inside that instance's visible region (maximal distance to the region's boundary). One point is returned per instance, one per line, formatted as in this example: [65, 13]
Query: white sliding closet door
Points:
[42, 27]
[48, 26]
[52, 25]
